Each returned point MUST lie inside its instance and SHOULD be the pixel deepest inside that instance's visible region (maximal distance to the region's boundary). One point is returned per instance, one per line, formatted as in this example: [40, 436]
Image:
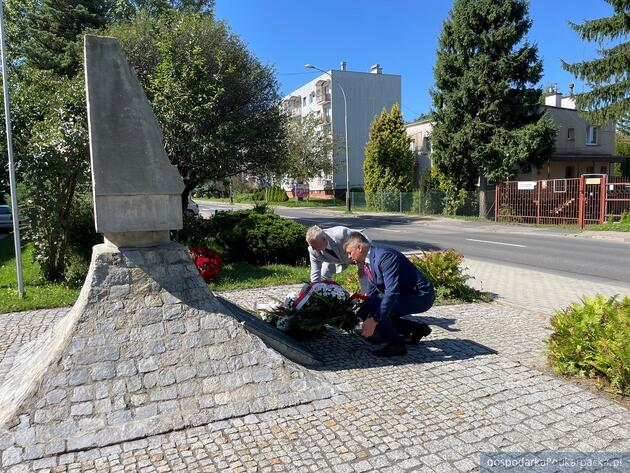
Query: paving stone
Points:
[472, 385]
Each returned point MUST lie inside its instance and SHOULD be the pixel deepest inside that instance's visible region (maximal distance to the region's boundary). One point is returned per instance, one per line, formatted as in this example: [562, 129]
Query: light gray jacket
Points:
[323, 264]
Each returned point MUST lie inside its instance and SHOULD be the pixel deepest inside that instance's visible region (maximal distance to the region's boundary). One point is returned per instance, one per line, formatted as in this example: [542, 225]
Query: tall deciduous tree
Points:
[609, 74]
[309, 148]
[217, 104]
[389, 164]
[52, 151]
[484, 98]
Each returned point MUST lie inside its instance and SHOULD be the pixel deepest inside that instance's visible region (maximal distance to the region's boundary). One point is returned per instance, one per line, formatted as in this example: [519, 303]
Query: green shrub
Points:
[76, 269]
[444, 270]
[276, 194]
[591, 339]
[82, 238]
[198, 231]
[349, 279]
[250, 236]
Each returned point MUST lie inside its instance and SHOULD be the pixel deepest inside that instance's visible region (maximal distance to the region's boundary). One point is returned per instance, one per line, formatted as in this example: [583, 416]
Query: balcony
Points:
[323, 97]
[293, 105]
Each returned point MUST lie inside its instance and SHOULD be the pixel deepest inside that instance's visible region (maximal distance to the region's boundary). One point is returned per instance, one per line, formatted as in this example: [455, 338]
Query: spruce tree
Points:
[484, 97]
[55, 33]
[609, 97]
[389, 164]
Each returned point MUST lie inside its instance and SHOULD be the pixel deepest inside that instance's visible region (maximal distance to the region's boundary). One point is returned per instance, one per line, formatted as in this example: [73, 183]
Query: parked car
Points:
[193, 208]
[6, 220]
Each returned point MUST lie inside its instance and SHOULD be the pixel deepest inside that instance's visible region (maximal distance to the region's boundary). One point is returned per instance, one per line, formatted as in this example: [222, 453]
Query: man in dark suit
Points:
[397, 288]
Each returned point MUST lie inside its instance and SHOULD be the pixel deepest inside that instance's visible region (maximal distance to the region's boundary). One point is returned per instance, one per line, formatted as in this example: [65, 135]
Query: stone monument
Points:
[147, 348]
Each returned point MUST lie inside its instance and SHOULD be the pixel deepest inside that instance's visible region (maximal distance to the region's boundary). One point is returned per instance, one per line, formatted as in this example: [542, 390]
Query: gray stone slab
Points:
[219, 371]
[272, 337]
[136, 188]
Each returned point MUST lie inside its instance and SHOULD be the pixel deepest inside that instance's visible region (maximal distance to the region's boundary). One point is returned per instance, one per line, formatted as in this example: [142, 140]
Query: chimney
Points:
[343, 65]
[571, 85]
[554, 98]
[376, 69]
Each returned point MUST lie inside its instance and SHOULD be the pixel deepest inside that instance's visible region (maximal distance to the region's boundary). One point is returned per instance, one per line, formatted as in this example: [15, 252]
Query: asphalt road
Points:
[554, 251]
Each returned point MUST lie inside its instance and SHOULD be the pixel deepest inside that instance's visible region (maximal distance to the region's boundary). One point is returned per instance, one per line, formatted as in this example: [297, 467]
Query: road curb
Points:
[618, 238]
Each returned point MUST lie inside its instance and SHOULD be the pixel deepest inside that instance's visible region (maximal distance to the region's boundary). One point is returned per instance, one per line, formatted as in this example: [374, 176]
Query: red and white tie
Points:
[369, 273]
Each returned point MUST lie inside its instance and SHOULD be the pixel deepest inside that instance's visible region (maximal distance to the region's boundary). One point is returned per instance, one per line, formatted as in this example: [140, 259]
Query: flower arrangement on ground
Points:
[207, 261]
[316, 305]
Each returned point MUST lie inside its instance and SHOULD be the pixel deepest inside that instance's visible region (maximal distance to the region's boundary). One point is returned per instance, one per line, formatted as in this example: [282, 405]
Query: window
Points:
[427, 144]
[591, 135]
[571, 134]
[590, 169]
[412, 146]
[303, 101]
[568, 172]
[603, 170]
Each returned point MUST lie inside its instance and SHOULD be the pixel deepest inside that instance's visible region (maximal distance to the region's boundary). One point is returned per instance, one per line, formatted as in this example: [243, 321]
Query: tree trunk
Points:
[185, 194]
[483, 204]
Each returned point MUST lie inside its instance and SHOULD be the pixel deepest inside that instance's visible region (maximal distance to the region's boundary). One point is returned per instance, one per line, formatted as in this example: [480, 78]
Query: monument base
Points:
[146, 349]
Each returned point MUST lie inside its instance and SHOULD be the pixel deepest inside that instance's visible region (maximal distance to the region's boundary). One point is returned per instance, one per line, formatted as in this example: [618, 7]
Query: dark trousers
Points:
[394, 329]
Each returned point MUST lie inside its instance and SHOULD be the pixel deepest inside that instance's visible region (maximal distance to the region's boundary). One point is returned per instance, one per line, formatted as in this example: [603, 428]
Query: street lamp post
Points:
[7, 115]
[345, 119]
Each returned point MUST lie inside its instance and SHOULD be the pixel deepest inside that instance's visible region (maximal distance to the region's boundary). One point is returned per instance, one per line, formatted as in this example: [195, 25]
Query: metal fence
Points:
[419, 202]
[587, 200]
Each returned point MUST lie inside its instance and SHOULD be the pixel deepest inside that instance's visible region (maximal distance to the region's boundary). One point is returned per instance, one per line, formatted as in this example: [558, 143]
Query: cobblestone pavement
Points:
[472, 386]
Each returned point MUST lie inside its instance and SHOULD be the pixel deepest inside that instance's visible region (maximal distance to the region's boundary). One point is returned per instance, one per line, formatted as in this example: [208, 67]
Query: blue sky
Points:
[401, 35]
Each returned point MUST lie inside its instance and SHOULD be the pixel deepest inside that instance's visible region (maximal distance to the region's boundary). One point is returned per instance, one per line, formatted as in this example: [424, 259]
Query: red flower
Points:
[208, 262]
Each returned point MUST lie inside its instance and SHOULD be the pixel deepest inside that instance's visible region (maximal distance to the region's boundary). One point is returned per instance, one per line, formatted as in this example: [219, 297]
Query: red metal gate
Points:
[587, 200]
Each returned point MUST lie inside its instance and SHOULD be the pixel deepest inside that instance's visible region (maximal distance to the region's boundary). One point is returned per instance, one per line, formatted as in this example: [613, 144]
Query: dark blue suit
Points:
[398, 289]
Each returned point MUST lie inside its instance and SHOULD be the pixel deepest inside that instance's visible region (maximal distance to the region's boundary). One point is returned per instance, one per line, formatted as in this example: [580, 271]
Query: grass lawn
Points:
[234, 276]
[39, 294]
[336, 204]
[244, 276]
[622, 225]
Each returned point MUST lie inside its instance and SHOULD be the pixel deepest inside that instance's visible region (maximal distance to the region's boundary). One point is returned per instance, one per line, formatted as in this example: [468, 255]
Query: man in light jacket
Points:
[326, 253]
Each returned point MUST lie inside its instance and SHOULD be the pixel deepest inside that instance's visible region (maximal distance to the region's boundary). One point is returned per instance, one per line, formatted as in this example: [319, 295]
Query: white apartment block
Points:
[367, 94]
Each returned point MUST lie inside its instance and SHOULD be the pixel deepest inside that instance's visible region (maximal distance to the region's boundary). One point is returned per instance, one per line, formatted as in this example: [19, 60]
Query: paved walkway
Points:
[535, 290]
[474, 385]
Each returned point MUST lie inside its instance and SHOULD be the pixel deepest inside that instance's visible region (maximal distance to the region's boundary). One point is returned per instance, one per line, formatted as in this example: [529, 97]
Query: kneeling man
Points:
[396, 288]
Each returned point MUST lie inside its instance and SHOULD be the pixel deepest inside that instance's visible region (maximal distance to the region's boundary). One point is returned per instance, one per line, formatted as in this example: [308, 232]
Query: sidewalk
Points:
[472, 386]
[534, 290]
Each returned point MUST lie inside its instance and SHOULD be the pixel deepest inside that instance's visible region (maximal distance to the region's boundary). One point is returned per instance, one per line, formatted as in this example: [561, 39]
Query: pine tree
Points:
[608, 75]
[484, 99]
[389, 164]
[55, 33]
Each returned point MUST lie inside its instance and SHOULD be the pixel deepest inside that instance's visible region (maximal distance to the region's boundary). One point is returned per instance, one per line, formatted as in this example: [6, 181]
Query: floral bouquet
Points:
[208, 261]
[316, 305]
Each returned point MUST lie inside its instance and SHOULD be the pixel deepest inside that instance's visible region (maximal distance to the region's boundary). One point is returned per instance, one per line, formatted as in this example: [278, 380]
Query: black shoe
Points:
[418, 332]
[391, 349]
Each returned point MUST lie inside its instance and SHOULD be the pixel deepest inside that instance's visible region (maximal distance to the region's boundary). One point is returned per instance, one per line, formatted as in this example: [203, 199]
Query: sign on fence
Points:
[526, 185]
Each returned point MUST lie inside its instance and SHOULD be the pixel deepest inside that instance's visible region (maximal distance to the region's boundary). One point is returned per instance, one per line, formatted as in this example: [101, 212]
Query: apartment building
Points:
[367, 94]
